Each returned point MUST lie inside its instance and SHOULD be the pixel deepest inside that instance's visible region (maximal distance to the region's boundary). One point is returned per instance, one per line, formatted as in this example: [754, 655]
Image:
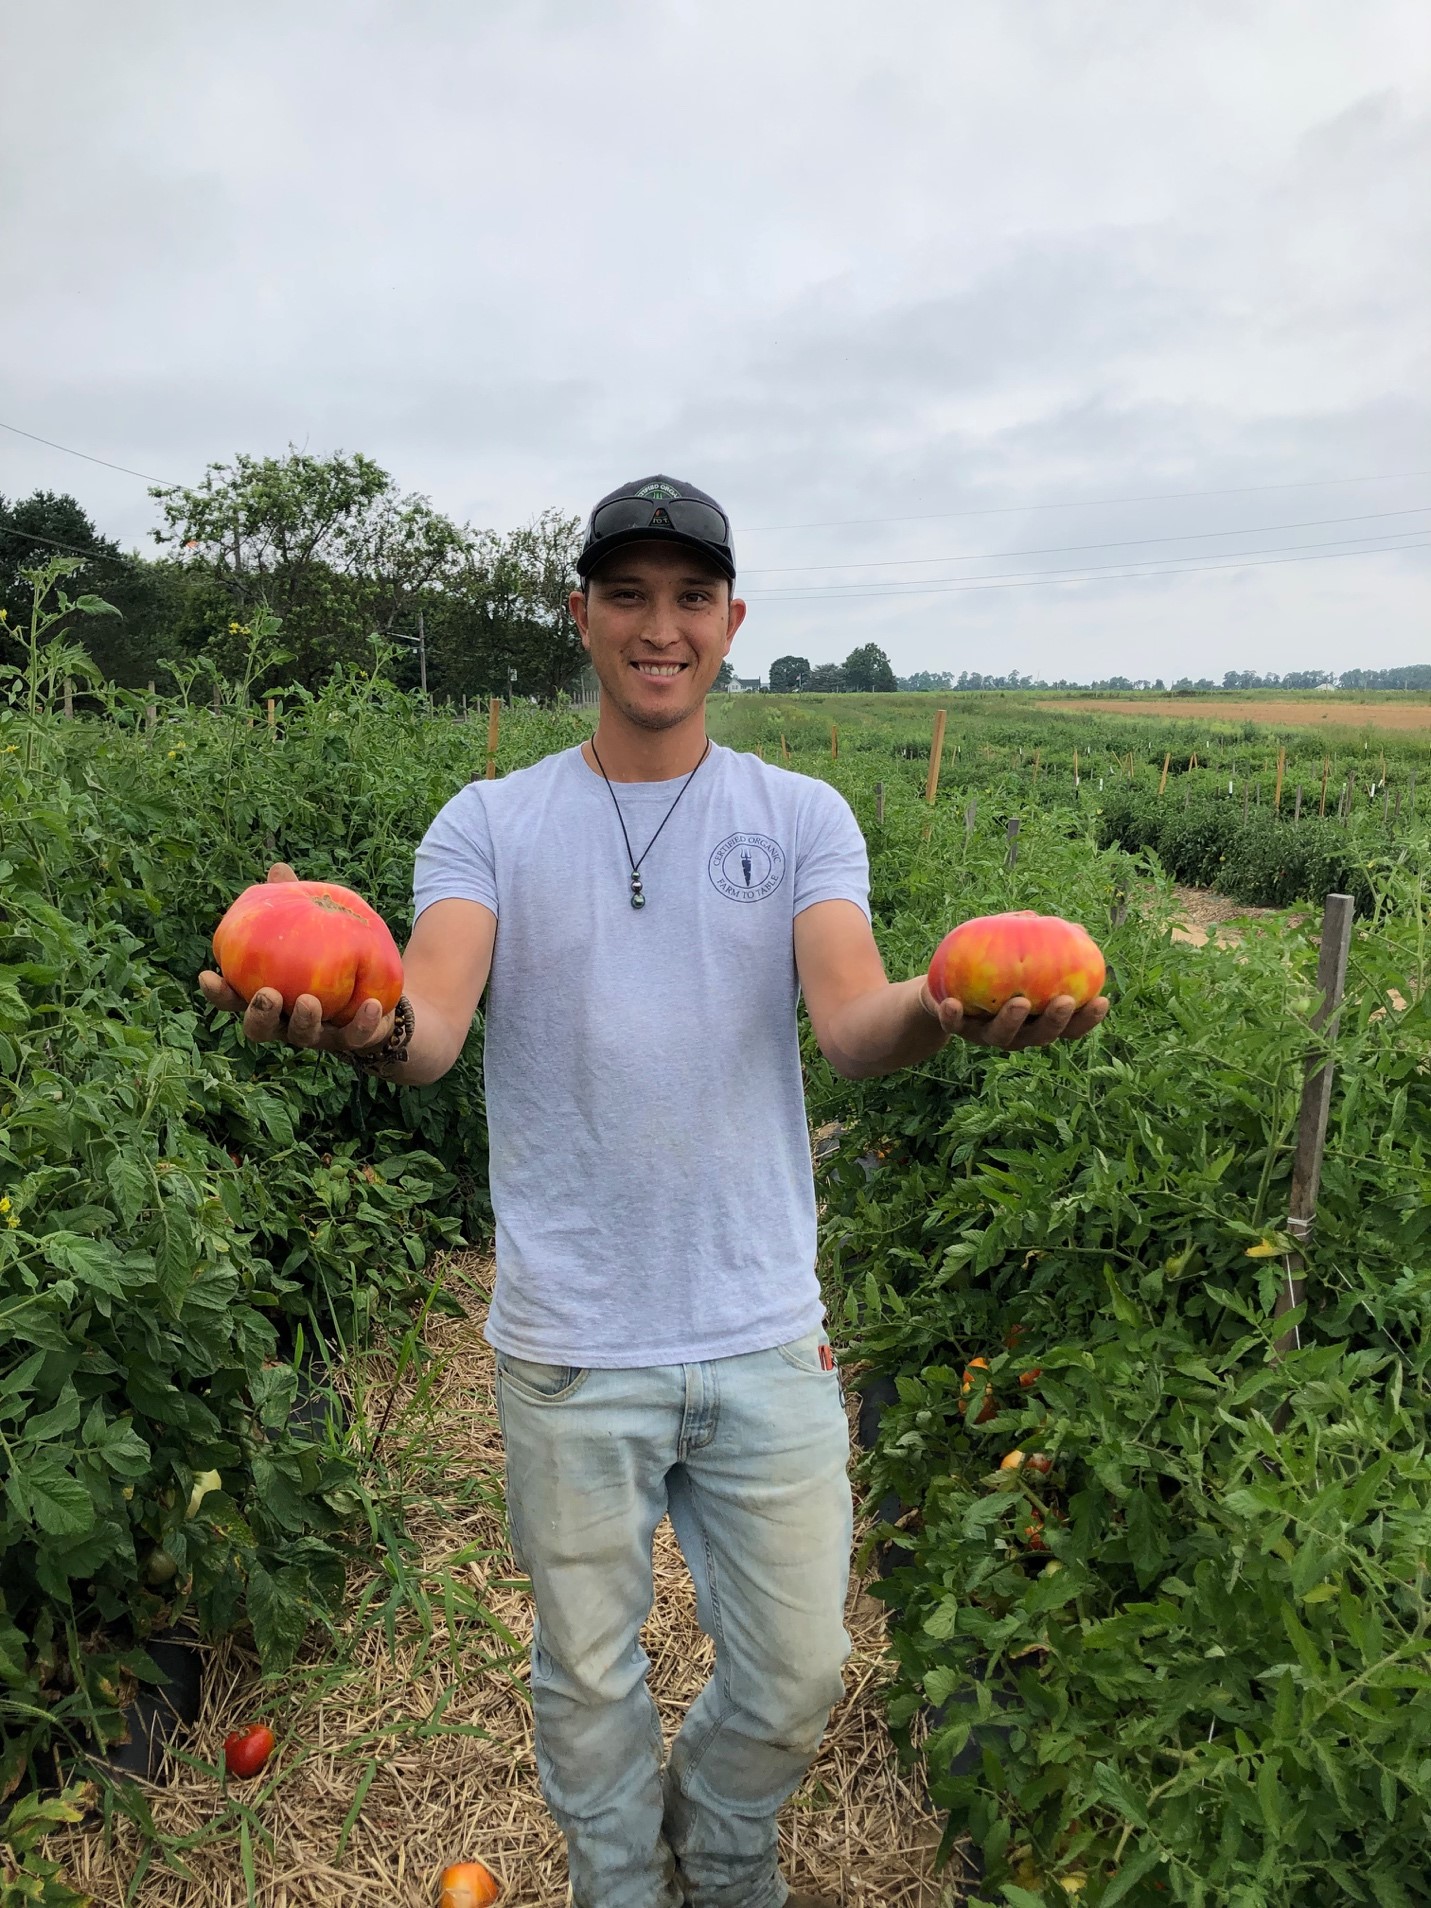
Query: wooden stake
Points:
[151, 711]
[494, 716]
[1012, 831]
[1163, 780]
[879, 803]
[1326, 767]
[1192, 761]
[971, 815]
[1281, 771]
[760, 751]
[1037, 753]
[936, 757]
[1075, 768]
[1386, 802]
[1316, 1105]
[272, 716]
[218, 705]
[1297, 811]
[69, 702]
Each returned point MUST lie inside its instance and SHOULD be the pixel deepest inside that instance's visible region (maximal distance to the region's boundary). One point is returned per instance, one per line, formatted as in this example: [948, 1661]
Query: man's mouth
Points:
[658, 671]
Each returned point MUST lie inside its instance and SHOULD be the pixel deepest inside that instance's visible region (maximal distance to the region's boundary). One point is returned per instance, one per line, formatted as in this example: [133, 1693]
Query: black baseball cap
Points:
[658, 510]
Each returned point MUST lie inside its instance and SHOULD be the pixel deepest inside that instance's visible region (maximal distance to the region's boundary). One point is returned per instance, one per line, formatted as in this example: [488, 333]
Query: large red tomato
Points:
[309, 937]
[987, 961]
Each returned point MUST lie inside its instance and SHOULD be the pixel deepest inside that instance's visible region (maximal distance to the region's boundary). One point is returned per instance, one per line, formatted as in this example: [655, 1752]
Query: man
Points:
[649, 908]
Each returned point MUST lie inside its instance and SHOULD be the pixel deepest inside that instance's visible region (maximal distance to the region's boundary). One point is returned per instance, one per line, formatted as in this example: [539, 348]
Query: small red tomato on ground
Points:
[1028, 1379]
[469, 1885]
[247, 1749]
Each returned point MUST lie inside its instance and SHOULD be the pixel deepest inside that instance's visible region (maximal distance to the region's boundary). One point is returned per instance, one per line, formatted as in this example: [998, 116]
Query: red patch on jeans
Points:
[827, 1359]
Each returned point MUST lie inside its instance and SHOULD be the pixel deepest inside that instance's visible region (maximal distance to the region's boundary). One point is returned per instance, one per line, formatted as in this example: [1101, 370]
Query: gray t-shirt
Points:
[650, 1160]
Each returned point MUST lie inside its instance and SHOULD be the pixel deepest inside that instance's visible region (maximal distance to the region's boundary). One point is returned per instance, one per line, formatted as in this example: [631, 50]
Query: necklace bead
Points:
[638, 898]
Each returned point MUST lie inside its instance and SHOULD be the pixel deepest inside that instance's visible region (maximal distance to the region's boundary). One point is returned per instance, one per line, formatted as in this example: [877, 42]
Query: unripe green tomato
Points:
[161, 1567]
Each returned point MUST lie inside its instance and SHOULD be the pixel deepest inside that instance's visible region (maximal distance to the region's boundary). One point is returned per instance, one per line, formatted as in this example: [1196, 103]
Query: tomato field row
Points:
[1207, 1680]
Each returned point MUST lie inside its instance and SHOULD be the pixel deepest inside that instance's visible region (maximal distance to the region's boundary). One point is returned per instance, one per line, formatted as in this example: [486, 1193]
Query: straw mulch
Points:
[373, 1739]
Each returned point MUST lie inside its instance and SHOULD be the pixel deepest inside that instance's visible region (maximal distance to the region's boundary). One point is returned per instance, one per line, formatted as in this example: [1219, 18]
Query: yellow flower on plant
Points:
[4, 1205]
[11, 1220]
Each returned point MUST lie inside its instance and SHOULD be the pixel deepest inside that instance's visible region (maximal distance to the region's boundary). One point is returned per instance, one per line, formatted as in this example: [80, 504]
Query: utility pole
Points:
[421, 653]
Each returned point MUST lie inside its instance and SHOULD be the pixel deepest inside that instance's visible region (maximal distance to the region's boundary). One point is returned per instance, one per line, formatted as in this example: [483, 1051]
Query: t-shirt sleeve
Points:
[455, 860]
[832, 863]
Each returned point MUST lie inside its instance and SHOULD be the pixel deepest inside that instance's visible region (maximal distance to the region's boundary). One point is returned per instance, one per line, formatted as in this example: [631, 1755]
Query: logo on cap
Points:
[659, 493]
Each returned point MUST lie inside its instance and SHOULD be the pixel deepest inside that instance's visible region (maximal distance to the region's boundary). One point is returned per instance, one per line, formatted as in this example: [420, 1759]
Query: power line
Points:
[1105, 574]
[1112, 543]
[69, 452]
[70, 549]
[1084, 503]
[931, 516]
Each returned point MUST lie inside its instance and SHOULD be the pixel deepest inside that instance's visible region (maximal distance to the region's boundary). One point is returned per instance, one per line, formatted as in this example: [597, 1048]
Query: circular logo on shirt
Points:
[747, 867]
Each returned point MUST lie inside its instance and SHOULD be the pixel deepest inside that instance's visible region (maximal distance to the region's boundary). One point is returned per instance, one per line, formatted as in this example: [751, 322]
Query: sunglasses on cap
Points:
[686, 514]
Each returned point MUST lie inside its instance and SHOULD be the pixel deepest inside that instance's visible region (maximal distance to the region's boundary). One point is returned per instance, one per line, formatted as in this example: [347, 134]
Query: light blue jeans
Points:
[748, 1455]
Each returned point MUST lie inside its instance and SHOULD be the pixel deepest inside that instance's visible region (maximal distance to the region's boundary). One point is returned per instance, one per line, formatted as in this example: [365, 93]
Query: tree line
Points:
[332, 547]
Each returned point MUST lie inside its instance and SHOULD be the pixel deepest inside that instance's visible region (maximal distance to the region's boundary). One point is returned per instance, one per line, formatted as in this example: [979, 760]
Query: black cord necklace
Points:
[638, 897]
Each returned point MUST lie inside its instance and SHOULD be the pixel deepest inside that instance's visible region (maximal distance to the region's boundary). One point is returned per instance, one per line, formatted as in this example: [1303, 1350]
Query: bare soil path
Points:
[1405, 717]
[396, 1759]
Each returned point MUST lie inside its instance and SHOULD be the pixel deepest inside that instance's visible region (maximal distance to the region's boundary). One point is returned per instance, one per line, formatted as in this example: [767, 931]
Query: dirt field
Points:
[1404, 717]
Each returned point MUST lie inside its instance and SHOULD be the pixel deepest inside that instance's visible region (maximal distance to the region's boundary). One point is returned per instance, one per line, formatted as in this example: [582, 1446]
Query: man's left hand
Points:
[1016, 1026]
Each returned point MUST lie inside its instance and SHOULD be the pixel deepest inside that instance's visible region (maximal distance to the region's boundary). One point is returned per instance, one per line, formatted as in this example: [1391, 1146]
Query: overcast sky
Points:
[954, 292]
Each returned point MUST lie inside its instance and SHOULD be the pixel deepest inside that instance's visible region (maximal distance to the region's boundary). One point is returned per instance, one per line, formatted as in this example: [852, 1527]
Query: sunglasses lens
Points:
[680, 513]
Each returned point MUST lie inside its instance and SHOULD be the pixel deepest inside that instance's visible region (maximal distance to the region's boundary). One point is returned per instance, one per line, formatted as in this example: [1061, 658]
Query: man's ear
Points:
[576, 603]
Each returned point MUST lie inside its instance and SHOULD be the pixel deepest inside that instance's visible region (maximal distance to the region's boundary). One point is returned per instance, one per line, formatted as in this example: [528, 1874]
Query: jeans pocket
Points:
[547, 1383]
[810, 1353]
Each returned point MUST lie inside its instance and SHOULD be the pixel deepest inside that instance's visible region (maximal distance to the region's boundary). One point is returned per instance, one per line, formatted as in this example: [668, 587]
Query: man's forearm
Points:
[882, 1031]
[431, 1051]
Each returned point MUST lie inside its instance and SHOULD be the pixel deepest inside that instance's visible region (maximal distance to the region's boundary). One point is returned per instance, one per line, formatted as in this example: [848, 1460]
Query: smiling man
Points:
[645, 912]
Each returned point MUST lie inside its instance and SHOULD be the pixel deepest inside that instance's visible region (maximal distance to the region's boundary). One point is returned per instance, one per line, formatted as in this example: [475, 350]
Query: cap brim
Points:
[652, 533]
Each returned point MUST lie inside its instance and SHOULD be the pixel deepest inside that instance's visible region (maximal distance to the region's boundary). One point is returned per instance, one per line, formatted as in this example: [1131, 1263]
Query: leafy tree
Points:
[827, 679]
[327, 543]
[789, 674]
[725, 675]
[868, 669]
[162, 608]
[504, 610]
[924, 679]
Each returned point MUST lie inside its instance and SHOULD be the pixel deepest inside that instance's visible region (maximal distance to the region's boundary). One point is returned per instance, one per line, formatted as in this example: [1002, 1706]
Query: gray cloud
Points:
[832, 266]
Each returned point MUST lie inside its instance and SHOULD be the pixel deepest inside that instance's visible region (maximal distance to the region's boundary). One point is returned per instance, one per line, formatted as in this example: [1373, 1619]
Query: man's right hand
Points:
[263, 1017]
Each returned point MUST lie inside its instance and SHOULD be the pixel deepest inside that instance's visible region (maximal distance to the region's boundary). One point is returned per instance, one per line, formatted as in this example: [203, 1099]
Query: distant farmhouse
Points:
[745, 685]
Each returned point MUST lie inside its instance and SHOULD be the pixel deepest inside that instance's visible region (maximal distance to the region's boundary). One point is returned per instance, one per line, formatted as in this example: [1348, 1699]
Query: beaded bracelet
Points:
[393, 1051]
